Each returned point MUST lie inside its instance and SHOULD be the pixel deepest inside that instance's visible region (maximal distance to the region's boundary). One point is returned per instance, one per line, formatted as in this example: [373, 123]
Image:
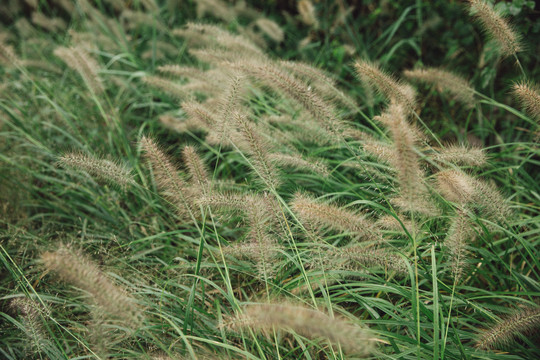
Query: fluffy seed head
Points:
[334, 217]
[460, 234]
[524, 321]
[101, 168]
[305, 322]
[528, 95]
[271, 29]
[307, 13]
[473, 193]
[52, 25]
[362, 258]
[199, 116]
[257, 148]
[76, 269]
[80, 60]
[8, 57]
[174, 89]
[386, 84]
[275, 78]
[496, 27]
[319, 81]
[196, 167]
[445, 81]
[461, 155]
[217, 8]
[30, 312]
[456, 186]
[413, 192]
[296, 161]
[167, 178]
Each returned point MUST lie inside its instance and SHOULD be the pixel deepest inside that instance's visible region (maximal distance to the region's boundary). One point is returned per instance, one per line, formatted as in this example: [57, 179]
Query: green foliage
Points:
[165, 188]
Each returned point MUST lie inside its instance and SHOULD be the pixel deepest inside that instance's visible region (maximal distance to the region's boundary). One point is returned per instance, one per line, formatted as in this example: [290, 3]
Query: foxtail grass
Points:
[77, 269]
[103, 169]
[496, 27]
[306, 322]
[503, 333]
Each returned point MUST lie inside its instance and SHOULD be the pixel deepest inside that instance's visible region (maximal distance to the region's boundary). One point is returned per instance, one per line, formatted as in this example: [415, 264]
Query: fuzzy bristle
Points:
[172, 88]
[167, 177]
[258, 150]
[386, 84]
[279, 80]
[445, 81]
[496, 27]
[473, 193]
[76, 269]
[362, 258]
[528, 95]
[307, 13]
[103, 169]
[334, 217]
[461, 155]
[305, 322]
[413, 192]
[271, 29]
[196, 167]
[522, 322]
[460, 234]
[31, 313]
[80, 60]
[296, 161]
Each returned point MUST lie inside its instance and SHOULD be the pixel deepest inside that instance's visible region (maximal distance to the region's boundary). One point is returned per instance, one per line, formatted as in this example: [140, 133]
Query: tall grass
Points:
[269, 186]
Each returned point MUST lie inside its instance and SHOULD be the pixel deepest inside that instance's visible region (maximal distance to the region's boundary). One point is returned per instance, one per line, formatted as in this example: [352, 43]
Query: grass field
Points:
[220, 179]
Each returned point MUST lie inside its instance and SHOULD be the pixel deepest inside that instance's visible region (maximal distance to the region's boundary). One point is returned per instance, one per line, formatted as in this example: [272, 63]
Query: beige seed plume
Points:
[271, 29]
[136, 19]
[228, 104]
[173, 89]
[496, 27]
[307, 13]
[262, 221]
[199, 116]
[528, 95]
[460, 234]
[211, 36]
[387, 85]
[80, 60]
[305, 322]
[196, 167]
[167, 178]
[319, 80]
[8, 57]
[103, 169]
[470, 192]
[461, 155]
[217, 8]
[297, 161]
[277, 79]
[362, 258]
[30, 312]
[67, 5]
[383, 151]
[413, 192]
[525, 321]
[251, 141]
[445, 81]
[389, 222]
[183, 71]
[75, 268]
[52, 25]
[319, 214]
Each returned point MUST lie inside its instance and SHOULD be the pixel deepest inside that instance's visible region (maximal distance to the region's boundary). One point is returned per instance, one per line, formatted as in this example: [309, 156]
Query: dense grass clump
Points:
[269, 180]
